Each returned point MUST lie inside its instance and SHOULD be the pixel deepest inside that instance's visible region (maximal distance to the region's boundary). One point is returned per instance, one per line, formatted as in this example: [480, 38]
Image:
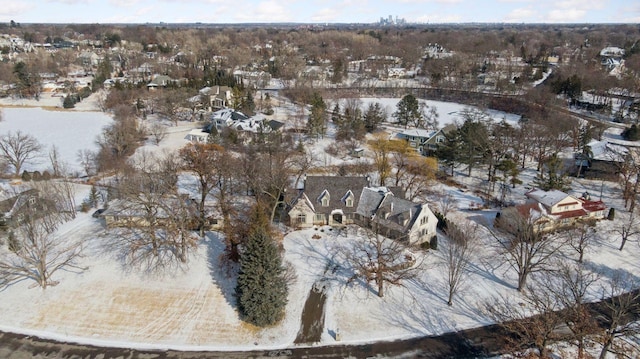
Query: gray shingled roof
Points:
[336, 187]
[391, 211]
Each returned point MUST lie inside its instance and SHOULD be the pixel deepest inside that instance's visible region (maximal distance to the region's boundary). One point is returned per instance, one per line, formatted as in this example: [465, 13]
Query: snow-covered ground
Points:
[194, 309]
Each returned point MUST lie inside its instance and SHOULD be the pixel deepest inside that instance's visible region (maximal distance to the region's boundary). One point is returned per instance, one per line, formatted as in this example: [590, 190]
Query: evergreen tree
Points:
[317, 122]
[408, 110]
[632, 133]
[373, 117]
[262, 287]
[474, 137]
[351, 125]
[449, 153]
[556, 175]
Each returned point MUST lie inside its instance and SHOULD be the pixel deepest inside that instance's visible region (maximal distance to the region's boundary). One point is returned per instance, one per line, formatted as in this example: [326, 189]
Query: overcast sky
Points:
[319, 11]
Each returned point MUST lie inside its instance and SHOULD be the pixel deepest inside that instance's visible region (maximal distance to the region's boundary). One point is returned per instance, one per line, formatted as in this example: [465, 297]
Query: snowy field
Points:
[68, 131]
[448, 112]
[193, 308]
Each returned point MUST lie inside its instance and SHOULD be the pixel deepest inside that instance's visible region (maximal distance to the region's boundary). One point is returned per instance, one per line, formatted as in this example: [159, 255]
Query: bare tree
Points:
[18, 148]
[202, 160]
[172, 102]
[157, 221]
[157, 131]
[40, 252]
[524, 329]
[581, 238]
[458, 252]
[446, 202]
[570, 286]
[87, 160]
[56, 163]
[61, 194]
[382, 260]
[628, 230]
[525, 248]
[619, 311]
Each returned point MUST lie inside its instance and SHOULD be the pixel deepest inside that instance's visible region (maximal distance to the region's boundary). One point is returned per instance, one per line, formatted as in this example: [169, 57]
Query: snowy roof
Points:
[336, 187]
[388, 210]
[612, 51]
[417, 132]
[547, 198]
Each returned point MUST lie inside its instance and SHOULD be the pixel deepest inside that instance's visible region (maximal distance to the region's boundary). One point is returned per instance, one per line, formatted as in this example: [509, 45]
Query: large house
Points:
[425, 141]
[338, 201]
[549, 210]
[236, 120]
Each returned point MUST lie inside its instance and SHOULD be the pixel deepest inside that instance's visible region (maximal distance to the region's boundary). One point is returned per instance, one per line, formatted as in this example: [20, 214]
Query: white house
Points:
[338, 201]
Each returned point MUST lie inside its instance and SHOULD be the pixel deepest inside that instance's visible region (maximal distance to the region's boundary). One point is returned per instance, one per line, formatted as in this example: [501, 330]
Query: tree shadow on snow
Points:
[223, 273]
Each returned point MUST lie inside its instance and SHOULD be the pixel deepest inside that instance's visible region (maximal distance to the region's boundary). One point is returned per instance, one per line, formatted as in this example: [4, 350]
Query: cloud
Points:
[521, 15]
[266, 11]
[571, 10]
[565, 15]
[430, 1]
[69, 2]
[324, 15]
[124, 3]
[439, 19]
[14, 8]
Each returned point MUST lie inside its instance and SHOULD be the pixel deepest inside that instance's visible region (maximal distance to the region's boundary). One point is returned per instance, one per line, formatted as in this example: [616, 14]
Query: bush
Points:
[442, 222]
[425, 245]
[36, 176]
[13, 243]
[46, 176]
[69, 102]
[26, 176]
[84, 207]
[434, 242]
[612, 214]
[632, 133]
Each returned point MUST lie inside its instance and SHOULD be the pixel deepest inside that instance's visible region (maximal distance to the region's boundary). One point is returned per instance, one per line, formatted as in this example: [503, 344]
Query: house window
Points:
[214, 222]
[302, 218]
[424, 220]
[32, 200]
[349, 202]
[319, 217]
[325, 202]
[440, 139]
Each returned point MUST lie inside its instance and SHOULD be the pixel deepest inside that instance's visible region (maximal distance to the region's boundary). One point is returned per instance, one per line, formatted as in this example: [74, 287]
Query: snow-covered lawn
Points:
[193, 308]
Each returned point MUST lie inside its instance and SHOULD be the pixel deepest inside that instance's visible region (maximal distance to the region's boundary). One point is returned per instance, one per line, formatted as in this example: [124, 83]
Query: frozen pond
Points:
[69, 131]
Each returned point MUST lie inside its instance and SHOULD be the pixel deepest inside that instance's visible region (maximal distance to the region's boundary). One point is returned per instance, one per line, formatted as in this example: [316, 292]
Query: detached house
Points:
[327, 200]
[425, 141]
[337, 201]
[14, 205]
[549, 210]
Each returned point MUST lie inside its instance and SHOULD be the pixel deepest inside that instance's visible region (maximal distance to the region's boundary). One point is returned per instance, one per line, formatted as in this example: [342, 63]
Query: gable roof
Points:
[337, 187]
[388, 210]
[547, 198]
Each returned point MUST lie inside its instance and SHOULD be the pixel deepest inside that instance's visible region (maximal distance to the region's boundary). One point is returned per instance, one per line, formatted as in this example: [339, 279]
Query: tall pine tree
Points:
[408, 110]
[262, 287]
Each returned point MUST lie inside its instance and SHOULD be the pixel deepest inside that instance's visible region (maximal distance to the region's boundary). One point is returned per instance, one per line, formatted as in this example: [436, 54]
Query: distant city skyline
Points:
[315, 11]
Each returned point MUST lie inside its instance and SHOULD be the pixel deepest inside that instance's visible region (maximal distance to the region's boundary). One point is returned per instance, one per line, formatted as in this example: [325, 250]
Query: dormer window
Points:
[324, 198]
[347, 199]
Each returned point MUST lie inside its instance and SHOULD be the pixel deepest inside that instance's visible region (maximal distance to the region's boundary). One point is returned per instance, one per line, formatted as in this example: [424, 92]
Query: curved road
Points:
[471, 343]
